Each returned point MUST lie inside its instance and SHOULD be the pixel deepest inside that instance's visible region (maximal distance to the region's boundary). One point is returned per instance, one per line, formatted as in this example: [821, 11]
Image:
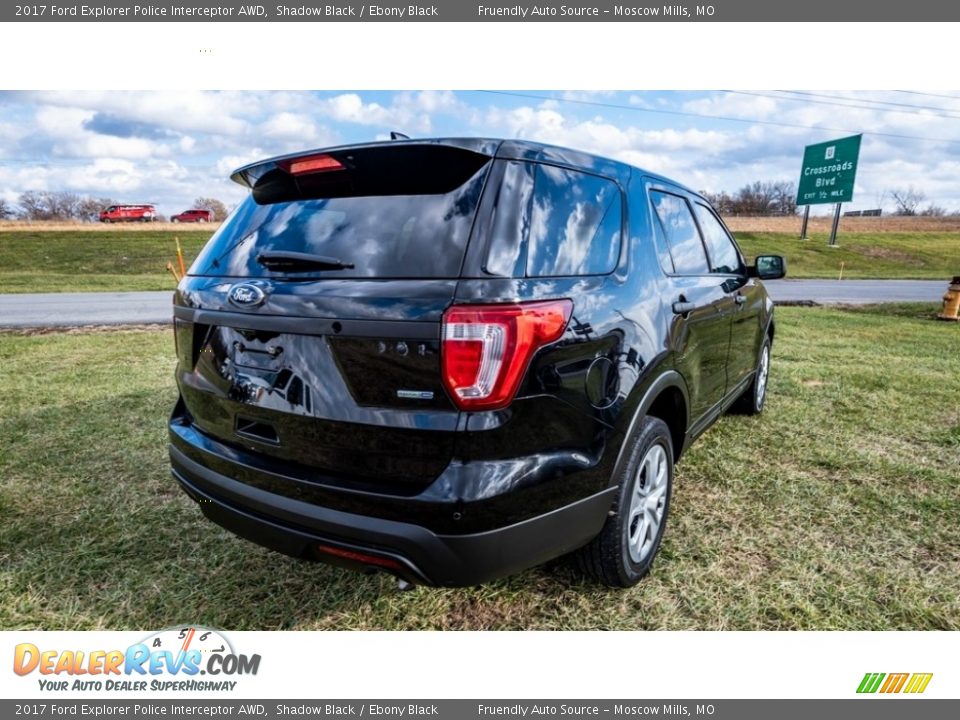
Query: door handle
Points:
[681, 307]
[739, 299]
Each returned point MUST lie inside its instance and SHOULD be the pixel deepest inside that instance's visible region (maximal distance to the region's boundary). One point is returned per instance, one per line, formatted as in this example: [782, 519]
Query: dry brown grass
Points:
[56, 225]
[847, 224]
[736, 224]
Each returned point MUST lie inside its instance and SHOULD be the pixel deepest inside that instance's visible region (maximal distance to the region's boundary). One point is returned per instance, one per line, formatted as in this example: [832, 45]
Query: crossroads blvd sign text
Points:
[828, 172]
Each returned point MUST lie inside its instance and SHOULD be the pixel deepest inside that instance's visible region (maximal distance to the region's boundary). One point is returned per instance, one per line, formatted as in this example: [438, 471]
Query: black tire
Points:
[174, 220]
[611, 558]
[753, 399]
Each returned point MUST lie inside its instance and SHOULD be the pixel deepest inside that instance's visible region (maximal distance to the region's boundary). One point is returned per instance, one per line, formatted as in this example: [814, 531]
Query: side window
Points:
[553, 222]
[663, 250]
[574, 225]
[681, 232]
[724, 257]
[507, 254]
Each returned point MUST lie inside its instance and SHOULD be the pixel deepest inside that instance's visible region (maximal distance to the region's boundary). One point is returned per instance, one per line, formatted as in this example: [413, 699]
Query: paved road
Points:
[857, 292]
[91, 308]
[100, 308]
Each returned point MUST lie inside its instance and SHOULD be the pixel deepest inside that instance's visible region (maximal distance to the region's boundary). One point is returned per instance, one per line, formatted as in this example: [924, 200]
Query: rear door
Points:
[334, 367]
[703, 308]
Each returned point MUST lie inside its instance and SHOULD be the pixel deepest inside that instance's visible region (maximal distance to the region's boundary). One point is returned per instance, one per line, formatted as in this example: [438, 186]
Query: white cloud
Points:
[729, 105]
[184, 111]
[70, 138]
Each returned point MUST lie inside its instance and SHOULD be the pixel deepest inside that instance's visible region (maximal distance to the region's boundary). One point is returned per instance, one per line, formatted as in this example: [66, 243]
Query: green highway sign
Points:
[828, 171]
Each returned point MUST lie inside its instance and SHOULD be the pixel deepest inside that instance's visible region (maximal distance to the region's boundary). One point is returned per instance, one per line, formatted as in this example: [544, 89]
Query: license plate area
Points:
[264, 369]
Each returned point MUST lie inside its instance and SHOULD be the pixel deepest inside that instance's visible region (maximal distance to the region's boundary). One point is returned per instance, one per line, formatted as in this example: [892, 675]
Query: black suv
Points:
[455, 359]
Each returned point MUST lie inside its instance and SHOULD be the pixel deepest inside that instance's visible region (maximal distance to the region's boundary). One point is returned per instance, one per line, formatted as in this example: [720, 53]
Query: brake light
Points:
[314, 164]
[486, 348]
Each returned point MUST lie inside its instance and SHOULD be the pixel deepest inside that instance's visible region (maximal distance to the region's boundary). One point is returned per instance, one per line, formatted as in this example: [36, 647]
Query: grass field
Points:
[111, 259]
[837, 509]
[60, 259]
[915, 255]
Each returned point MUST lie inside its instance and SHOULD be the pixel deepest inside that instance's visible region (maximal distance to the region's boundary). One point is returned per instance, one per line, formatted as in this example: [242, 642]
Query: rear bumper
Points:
[416, 553]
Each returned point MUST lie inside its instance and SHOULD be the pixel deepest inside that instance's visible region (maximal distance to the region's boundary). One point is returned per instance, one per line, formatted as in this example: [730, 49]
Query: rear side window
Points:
[680, 230]
[724, 257]
[554, 222]
[402, 212]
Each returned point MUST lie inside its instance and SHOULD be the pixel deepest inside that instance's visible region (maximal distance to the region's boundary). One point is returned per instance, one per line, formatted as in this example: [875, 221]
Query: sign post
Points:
[836, 223]
[827, 177]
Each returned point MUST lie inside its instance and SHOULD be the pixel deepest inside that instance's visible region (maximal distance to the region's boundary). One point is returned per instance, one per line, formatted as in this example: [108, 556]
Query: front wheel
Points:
[624, 550]
[753, 398]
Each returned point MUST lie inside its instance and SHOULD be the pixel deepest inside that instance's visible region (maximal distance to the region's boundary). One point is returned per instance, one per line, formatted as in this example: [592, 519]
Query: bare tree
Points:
[907, 200]
[31, 205]
[932, 210]
[6, 209]
[88, 209]
[758, 198]
[722, 202]
[218, 209]
[785, 198]
[49, 205]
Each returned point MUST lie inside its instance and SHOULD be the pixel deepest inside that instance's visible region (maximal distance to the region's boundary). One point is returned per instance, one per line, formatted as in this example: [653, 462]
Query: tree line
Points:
[67, 206]
[755, 199]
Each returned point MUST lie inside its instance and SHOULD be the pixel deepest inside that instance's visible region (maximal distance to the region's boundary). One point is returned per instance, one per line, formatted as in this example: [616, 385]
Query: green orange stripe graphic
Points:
[894, 682]
[918, 682]
[870, 682]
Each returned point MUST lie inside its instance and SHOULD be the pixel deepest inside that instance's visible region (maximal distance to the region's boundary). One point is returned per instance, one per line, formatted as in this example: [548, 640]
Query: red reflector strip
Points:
[317, 163]
[360, 557]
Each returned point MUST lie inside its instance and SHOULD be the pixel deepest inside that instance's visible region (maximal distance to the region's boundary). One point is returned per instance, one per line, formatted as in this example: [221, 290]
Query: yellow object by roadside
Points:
[183, 269]
[951, 301]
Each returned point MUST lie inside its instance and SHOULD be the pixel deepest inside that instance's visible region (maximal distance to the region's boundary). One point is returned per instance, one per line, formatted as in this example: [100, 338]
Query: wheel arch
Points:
[666, 398]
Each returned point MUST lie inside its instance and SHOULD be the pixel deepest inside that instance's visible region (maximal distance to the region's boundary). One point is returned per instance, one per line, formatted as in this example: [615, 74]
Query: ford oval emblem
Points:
[246, 295]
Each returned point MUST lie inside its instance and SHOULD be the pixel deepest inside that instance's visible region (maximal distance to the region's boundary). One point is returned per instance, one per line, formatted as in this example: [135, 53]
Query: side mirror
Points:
[768, 267]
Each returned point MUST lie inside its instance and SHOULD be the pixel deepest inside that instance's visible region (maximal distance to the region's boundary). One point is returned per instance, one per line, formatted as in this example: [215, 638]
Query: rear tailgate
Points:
[334, 371]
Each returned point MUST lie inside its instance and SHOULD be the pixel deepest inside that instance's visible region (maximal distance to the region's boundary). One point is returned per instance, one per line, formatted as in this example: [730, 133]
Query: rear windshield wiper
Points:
[299, 262]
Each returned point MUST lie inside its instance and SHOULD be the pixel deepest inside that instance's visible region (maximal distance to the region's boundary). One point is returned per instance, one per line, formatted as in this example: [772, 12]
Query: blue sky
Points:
[170, 147]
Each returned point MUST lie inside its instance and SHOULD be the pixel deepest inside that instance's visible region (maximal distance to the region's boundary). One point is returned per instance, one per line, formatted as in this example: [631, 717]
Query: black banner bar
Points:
[490, 11]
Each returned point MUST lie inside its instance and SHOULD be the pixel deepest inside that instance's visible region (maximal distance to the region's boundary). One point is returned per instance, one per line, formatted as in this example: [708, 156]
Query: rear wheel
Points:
[624, 550]
[174, 220]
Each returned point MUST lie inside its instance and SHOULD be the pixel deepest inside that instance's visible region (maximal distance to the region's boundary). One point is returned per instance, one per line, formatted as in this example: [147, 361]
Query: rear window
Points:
[552, 222]
[393, 213]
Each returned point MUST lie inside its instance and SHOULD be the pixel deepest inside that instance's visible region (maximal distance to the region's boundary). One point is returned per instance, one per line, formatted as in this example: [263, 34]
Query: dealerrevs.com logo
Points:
[181, 659]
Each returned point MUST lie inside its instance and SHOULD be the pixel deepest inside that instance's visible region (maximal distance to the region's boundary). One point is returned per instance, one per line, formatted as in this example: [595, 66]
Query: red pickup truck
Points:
[128, 213]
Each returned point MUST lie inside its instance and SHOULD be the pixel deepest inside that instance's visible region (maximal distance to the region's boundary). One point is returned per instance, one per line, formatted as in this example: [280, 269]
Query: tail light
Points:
[487, 348]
